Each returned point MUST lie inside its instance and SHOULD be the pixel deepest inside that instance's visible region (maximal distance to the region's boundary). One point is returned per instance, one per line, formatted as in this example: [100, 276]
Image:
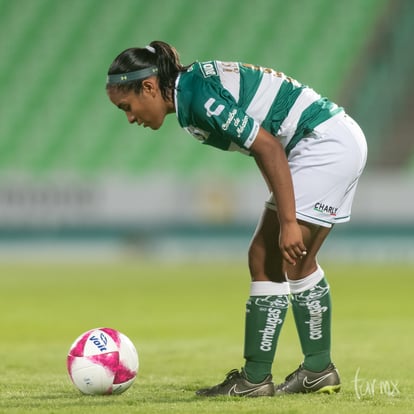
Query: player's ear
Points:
[150, 85]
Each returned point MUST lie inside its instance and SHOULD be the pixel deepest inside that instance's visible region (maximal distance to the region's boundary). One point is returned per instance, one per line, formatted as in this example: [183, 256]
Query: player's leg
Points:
[265, 259]
[311, 300]
[311, 305]
[265, 313]
[267, 305]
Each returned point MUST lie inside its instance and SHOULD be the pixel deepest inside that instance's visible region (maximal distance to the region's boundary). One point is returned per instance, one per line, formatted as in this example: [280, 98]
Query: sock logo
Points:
[317, 292]
[311, 300]
[280, 302]
[315, 319]
[272, 321]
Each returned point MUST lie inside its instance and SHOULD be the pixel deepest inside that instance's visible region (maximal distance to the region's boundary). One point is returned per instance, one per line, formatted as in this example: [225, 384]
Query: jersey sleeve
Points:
[215, 110]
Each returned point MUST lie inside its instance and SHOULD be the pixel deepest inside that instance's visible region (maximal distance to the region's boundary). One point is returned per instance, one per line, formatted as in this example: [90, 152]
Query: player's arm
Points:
[271, 159]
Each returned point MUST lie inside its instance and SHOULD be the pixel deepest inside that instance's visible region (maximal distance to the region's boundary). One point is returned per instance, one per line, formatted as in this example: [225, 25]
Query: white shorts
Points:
[325, 168]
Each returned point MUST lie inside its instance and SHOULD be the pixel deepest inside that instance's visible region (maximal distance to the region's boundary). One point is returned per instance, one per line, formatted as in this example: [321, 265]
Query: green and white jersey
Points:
[223, 104]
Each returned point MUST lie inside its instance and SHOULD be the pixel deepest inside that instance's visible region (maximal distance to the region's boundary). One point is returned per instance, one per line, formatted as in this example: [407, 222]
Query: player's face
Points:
[148, 108]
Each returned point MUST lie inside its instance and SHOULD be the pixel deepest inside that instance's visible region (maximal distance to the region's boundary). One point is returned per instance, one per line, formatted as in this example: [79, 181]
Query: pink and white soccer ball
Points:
[102, 361]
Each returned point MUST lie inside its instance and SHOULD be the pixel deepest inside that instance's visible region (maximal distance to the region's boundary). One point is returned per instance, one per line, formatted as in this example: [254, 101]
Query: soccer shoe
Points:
[304, 381]
[236, 385]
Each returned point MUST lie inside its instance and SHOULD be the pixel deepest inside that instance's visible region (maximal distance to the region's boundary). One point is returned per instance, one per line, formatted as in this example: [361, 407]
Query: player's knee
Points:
[302, 269]
[263, 264]
[255, 257]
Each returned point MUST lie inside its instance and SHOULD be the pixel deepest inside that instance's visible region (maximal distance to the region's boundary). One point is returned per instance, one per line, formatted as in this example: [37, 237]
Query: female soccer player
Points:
[311, 155]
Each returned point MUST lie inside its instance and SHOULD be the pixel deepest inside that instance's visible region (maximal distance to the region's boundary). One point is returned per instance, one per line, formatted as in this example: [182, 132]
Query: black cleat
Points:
[236, 385]
[304, 381]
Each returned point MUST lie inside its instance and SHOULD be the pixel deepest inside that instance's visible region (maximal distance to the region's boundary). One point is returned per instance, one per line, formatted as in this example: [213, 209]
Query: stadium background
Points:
[76, 179]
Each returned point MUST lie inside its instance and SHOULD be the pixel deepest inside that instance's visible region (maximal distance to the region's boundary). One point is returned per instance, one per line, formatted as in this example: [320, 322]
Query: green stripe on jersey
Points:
[250, 80]
[284, 101]
[316, 113]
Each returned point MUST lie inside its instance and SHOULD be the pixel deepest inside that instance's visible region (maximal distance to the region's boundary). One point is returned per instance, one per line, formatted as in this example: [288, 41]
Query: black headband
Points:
[131, 76]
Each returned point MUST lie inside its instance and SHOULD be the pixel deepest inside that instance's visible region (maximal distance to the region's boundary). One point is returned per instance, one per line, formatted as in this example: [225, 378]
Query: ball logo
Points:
[102, 361]
[100, 342]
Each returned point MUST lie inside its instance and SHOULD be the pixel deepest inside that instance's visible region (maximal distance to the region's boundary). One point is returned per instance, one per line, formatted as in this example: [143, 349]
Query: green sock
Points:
[265, 315]
[311, 305]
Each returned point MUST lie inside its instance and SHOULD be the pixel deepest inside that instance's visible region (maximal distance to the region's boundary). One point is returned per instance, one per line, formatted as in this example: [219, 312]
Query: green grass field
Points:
[186, 321]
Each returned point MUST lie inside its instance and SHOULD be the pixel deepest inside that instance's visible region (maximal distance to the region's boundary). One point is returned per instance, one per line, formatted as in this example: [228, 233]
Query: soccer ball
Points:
[102, 361]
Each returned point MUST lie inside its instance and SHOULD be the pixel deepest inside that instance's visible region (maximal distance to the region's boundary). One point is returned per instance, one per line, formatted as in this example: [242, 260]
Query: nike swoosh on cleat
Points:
[312, 384]
[233, 390]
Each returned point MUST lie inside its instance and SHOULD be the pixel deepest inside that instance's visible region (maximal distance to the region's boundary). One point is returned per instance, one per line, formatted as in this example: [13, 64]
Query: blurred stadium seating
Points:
[57, 118]
[380, 89]
[68, 158]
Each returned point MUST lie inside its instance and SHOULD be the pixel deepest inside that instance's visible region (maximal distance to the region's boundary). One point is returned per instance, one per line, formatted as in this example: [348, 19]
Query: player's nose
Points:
[131, 118]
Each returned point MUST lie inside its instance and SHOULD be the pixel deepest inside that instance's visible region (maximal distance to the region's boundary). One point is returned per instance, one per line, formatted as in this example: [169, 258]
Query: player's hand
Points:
[291, 243]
